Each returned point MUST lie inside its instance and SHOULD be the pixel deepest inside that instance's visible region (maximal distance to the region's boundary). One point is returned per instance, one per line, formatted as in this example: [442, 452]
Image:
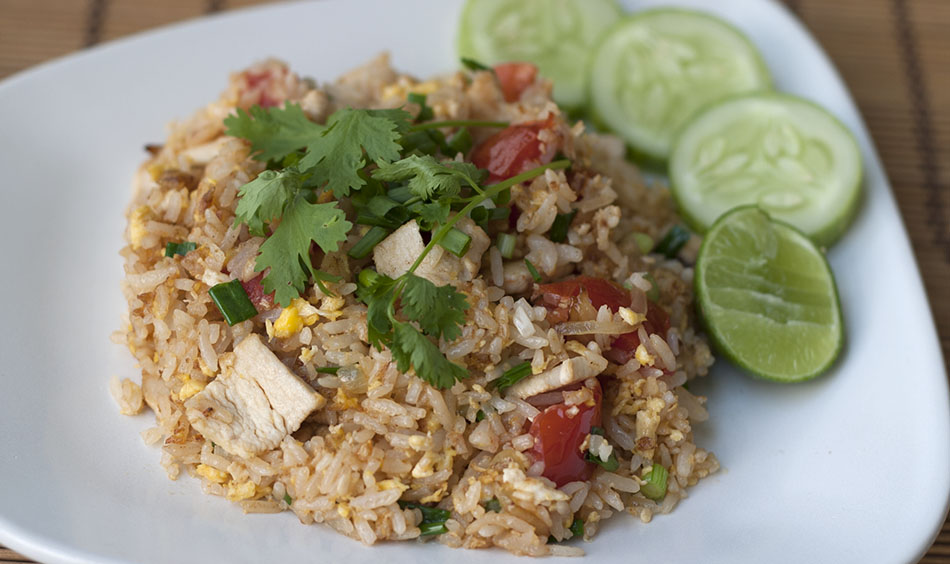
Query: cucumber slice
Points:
[556, 35]
[655, 68]
[785, 154]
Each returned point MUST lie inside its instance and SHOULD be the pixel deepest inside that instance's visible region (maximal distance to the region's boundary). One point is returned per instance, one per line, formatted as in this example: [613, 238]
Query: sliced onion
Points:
[593, 328]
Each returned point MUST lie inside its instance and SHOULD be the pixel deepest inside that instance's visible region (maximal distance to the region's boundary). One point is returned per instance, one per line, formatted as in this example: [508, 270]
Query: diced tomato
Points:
[255, 293]
[514, 150]
[514, 78]
[263, 86]
[625, 346]
[559, 431]
[560, 297]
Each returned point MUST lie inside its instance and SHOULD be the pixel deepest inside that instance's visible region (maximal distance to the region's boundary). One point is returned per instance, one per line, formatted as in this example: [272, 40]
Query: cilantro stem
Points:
[457, 123]
[489, 192]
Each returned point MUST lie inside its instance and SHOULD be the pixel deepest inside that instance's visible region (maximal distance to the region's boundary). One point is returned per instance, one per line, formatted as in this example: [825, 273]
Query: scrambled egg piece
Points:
[189, 387]
[631, 317]
[244, 490]
[211, 473]
[643, 356]
[137, 230]
[294, 317]
[531, 490]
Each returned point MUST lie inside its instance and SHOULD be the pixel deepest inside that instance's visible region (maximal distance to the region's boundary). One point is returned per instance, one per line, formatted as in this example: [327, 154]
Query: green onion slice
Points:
[644, 242]
[328, 369]
[433, 518]
[364, 246]
[506, 244]
[653, 294]
[456, 242]
[287, 499]
[655, 486]
[425, 112]
[493, 505]
[562, 222]
[473, 65]
[233, 302]
[673, 241]
[512, 376]
[183, 248]
[532, 270]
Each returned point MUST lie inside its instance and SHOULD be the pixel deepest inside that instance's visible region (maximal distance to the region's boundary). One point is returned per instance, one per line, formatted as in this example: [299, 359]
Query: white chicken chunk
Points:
[251, 406]
[396, 253]
[571, 370]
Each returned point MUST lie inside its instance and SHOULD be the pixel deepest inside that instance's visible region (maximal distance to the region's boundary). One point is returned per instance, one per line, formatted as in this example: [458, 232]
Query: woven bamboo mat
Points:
[893, 54]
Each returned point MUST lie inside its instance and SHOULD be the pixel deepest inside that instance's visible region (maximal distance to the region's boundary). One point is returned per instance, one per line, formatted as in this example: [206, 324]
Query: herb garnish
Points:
[433, 518]
[386, 165]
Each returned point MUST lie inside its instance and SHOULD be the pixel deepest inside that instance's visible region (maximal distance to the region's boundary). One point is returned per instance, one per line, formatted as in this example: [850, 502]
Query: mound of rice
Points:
[381, 436]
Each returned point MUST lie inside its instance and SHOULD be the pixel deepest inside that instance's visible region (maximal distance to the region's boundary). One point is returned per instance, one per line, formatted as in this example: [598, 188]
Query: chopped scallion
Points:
[673, 241]
[597, 431]
[506, 244]
[433, 518]
[456, 242]
[183, 248]
[502, 198]
[364, 246]
[644, 242]
[473, 65]
[532, 270]
[461, 142]
[480, 416]
[577, 527]
[655, 486]
[493, 505]
[328, 369]
[287, 499]
[425, 112]
[562, 222]
[609, 465]
[653, 294]
[512, 376]
[233, 302]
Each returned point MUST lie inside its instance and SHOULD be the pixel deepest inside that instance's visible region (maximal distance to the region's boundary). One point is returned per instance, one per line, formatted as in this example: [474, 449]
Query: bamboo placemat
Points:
[893, 54]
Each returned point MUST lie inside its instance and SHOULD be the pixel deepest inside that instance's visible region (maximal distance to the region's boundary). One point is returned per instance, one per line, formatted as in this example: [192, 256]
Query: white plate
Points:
[853, 467]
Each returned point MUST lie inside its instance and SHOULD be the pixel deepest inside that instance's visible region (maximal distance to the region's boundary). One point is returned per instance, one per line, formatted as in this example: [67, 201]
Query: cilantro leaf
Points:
[429, 178]
[336, 155]
[377, 295]
[287, 251]
[410, 348]
[273, 132]
[439, 310]
[432, 213]
[264, 199]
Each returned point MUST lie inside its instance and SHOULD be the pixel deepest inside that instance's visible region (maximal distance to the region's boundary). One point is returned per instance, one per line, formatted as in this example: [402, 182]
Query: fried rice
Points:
[374, 438]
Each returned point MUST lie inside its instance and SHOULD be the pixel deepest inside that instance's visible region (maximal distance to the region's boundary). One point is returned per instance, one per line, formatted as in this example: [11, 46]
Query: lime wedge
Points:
[768, 297]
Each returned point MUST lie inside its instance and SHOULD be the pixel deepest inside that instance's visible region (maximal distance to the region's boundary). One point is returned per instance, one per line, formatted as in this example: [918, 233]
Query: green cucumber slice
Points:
[768, 297]
[785, 154]
[555, 35]
[654, 69]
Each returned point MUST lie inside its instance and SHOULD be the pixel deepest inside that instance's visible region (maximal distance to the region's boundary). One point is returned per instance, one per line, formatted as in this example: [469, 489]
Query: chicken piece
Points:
[396, 253]
[568, 372]
[251, 406]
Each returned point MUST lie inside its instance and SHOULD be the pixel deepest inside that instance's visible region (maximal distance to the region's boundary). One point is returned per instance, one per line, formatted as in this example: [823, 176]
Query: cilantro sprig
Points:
[386, 166]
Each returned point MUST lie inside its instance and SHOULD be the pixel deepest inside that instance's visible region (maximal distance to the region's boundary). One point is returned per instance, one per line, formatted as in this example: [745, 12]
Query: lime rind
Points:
[650, 145]
[818, 189]
[759, 330]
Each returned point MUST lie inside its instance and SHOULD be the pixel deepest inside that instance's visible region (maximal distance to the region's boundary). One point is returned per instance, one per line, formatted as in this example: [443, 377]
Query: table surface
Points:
[893, 54]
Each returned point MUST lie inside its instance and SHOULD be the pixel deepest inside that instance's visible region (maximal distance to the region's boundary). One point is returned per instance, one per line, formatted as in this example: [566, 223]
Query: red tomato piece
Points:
[625, 346]
[559, 431]
[560, 297]
[514, 78]
[514, 150]
[255, 292]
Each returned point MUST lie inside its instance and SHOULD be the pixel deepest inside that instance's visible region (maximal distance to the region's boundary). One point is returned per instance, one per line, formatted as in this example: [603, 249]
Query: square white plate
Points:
[853, 467]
